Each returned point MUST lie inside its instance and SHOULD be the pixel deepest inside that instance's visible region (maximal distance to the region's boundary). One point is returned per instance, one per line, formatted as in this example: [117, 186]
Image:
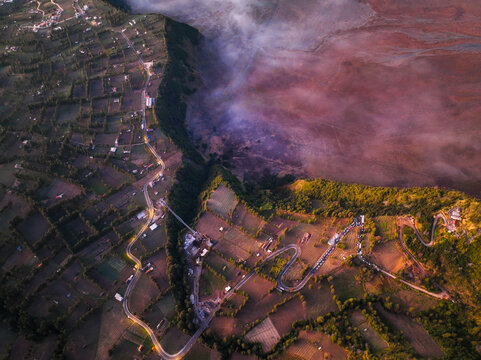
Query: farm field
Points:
[346, 284]
[222, 202]
[368, 332]
[420, 340]
[309, 344]
[264, 333]
[389, 257]
[174, 339]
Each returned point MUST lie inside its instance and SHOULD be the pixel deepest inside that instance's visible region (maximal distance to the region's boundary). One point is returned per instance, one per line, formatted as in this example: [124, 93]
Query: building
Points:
[118, 297]
[141, 215]
[455, 214]
[149, 101]
[153, 227]
[189, 239]
[333, 240]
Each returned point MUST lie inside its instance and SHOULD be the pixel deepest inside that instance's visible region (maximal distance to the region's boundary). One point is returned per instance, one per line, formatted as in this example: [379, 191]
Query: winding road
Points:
[138, 264]
[442, 295]
[410, 223]
[280, 282]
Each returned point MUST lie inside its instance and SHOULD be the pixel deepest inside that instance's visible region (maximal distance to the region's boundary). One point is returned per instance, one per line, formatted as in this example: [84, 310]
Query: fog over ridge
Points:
[379, 92]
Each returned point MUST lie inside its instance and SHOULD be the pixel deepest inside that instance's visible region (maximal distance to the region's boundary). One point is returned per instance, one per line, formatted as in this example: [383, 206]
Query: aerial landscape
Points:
[240, 179]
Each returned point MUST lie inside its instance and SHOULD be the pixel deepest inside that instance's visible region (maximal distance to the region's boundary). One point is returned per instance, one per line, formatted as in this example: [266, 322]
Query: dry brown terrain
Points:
[420, 340]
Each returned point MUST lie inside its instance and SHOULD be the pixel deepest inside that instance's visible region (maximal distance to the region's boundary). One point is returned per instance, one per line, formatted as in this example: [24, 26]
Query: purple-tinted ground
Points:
[382, 92]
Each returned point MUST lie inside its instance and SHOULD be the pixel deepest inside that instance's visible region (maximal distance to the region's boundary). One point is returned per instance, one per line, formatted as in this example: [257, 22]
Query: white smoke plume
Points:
[370, 91]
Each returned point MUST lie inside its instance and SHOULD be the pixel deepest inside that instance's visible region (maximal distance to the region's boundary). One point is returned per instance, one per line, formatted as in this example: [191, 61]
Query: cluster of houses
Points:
[197, 246]
[454, 216]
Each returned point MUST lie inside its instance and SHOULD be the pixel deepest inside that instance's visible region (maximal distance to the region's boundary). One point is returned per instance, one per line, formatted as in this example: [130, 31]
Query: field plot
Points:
[275, 227]
[7, 174]
[72, 320]
[113, 325]
[93, 253]
[95, 87]
[386, 227]
[131, 100]
[74, 231]
[231, 242]
[79, 91]
[6, 338]
[33, 227]
[97, 186]
[287, 314]
[239, 239]
[113, 124]
[368, 332]
[420, 340]
[413, 299]
[235, 302]
[11, 206]
[154, 240]
[209, 283]
[105, 139]
[225, 326]
[27, 349]
[312, 249]
[221, 266]
[56, 188]
[125, 349]
[19, 260]
[302, 349]
[53, 300]
[174, 339]
[254, 310]
[67, 113]
[318, 298]
[113, 177]
[379, 284]
[162, 310]
[349, 243]
[159, 274]
[47, 271]
[257, 288]
[222, 202]
[209, 225]
[294, 273]
[166, 305]
[325, 348]
[264, 333]
[145, 291]
[108, 272]
[346, 285]
[80, 139]
[73, 275]
[389, 257]
[243, 218]
[100, 105]
[200, 352]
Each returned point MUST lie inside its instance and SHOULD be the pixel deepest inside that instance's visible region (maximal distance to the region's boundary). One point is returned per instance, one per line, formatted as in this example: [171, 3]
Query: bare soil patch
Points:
[287, 314]
[420, 340]
[222, 201]
[368, 332]
[33, 227]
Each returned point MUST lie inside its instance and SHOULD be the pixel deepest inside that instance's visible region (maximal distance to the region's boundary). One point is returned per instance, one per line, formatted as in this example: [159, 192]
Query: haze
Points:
[377, 92]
